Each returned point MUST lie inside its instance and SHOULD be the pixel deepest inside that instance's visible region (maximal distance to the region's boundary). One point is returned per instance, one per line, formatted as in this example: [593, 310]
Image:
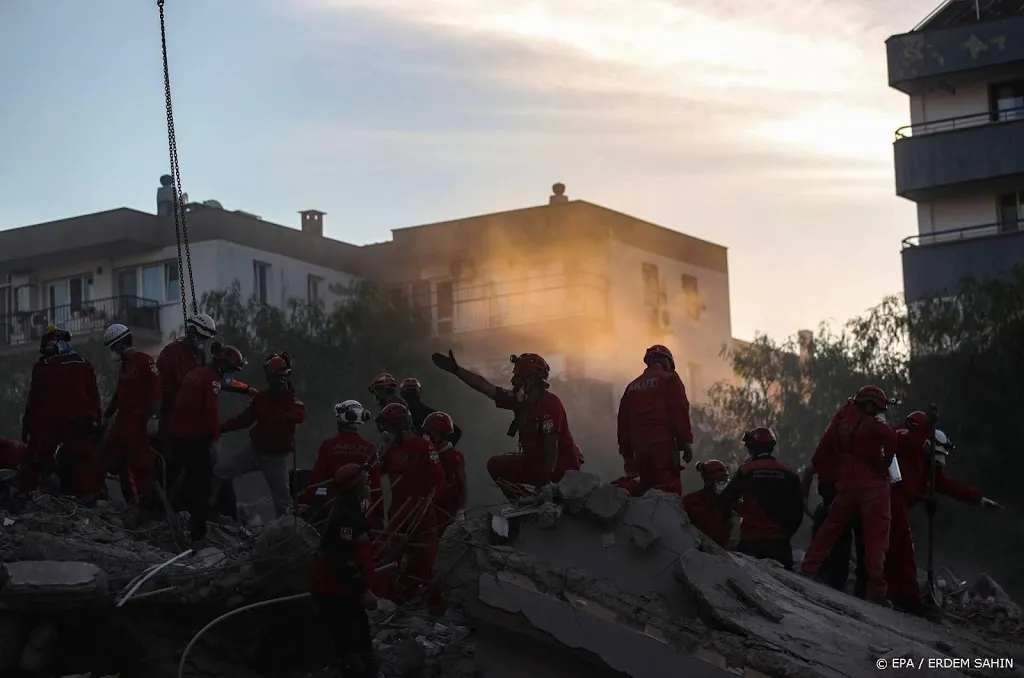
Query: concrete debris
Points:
[987, 589]
[549, 514]
[646, 594]
[48, 584]
[606, 503]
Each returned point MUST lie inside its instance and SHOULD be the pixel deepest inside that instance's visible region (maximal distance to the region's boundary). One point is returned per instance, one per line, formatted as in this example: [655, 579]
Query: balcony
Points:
[932, 157]
[20, 330]
[935, 263]
[954, 43]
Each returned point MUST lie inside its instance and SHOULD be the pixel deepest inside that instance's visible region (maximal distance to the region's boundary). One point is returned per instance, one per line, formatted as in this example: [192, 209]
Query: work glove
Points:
[687, 450]
[989, 504]
[629, 466]
[368, 600]
[460, 516]
[446, 362]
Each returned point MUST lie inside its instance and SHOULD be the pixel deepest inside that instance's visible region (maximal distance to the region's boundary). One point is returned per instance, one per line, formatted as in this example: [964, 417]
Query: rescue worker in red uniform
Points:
[414, 472]
[273, 415]
[835, 570]
[703, 506]
[654, 426]
[865, 446]
[342, 575]
[773, 505]
[451, 503]
[13, 454]
[547, 448]
[176, 359]
[126, 449]
[348, 447]
[63, 411]
[915, 445]
[384, 388]
[195, 425]
[411, 392]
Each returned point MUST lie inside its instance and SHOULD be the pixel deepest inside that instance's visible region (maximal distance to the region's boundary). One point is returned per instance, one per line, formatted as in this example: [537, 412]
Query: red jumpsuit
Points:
[707, 515]
[865, 447]
[414, 470]
[653, 423]
[176, 360]
[134, 403]
[900, 565]
[773, 507]
[348, 447]
[273, 416]
[536, 421]
[12, 453]
[453, 497]
[62, 409]
[194, 426]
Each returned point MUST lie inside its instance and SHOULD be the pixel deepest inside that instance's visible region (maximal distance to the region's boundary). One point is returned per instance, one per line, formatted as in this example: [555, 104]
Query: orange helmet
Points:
[277, 367]
[658, 351]
[228, 358]
[873, 395]
[383, 380]
[528, 365]
[394, 418]
[918, 420]
[410, 384]
[439, 424]
[349, 476]
[713, 469]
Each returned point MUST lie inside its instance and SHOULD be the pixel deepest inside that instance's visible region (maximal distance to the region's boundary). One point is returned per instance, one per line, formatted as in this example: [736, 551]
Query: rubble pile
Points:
[983, 604]
[633, 588]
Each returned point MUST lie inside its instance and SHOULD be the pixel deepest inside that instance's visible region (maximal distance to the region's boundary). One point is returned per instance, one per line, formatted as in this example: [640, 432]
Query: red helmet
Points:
[439, 424]
[918, 420]
[394, 418]
[411, 384]
[349, 476]
[658, 351]
[228, 358]
[873, 395]
[762, 436]
[383, 380]
[277, 367]
[529, 364]
[713, 469]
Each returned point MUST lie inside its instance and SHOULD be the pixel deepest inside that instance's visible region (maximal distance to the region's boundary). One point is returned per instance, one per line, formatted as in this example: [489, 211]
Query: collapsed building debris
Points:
[580, 580]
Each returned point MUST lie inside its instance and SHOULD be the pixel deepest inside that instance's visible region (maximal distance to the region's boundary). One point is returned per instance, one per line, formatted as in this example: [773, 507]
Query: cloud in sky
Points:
[766, 126]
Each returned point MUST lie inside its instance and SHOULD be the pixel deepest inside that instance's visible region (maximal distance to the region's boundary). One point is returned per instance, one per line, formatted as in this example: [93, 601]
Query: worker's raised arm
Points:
[467, 377]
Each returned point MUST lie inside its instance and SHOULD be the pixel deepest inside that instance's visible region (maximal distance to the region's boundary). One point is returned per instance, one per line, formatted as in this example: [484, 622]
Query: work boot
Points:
[884, 602]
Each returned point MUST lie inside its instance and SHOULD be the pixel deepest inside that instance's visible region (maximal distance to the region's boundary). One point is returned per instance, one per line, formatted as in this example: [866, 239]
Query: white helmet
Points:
[115, 333]
[203, 325]
[943, 446]
[351, 413]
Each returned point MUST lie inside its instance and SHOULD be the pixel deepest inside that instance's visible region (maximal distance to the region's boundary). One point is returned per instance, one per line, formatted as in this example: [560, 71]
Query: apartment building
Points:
[961, 158]
[87, 272]
[587, 287]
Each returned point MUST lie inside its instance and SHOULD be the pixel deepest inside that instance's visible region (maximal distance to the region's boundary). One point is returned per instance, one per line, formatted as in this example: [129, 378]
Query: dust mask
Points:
[720, 485]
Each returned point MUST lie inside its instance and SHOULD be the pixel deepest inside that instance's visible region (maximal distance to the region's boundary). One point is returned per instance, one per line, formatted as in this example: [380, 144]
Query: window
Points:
[1007, 101]
[157, 282]
[313, 289]
[445, 306]
[652, 293]
[691, 296]
[71, 292]
[261, 282]
[1011, 212]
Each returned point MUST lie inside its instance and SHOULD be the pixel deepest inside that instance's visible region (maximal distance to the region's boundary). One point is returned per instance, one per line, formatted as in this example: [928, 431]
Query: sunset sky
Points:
[764, 126]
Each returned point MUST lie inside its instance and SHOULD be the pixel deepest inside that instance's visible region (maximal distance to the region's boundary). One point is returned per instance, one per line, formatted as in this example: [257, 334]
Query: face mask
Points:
[441, 446]
[720, 485]
[115, 355]
[64, 348]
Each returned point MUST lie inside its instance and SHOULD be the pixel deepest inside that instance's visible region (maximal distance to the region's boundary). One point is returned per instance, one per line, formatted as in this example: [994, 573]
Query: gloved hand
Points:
[446, 362]
[989, 504]
[368, 600]
[460, 516]
[687, 450]
[629, 466]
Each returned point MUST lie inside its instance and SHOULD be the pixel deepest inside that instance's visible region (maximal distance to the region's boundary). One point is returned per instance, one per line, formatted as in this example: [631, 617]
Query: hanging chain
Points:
[180, 226]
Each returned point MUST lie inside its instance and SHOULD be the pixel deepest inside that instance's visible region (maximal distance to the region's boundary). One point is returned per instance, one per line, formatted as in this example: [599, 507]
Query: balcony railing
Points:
[81, 318]
[960, 122]
[966, 233]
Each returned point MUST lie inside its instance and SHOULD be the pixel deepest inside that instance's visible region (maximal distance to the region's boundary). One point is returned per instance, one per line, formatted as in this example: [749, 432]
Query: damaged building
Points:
[580, 580]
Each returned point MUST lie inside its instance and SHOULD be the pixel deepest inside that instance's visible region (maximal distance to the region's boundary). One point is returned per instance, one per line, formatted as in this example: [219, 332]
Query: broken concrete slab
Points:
[575, 487]
[36, 584]
[548, 515]
[606, 503]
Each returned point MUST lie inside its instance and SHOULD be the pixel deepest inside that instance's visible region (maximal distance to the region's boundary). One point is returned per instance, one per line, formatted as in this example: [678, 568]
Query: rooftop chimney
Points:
[558, 195]
[313, 222]
[165, 196]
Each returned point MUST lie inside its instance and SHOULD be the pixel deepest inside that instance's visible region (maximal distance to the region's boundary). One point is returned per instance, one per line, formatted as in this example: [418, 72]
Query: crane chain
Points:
[180, 224]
